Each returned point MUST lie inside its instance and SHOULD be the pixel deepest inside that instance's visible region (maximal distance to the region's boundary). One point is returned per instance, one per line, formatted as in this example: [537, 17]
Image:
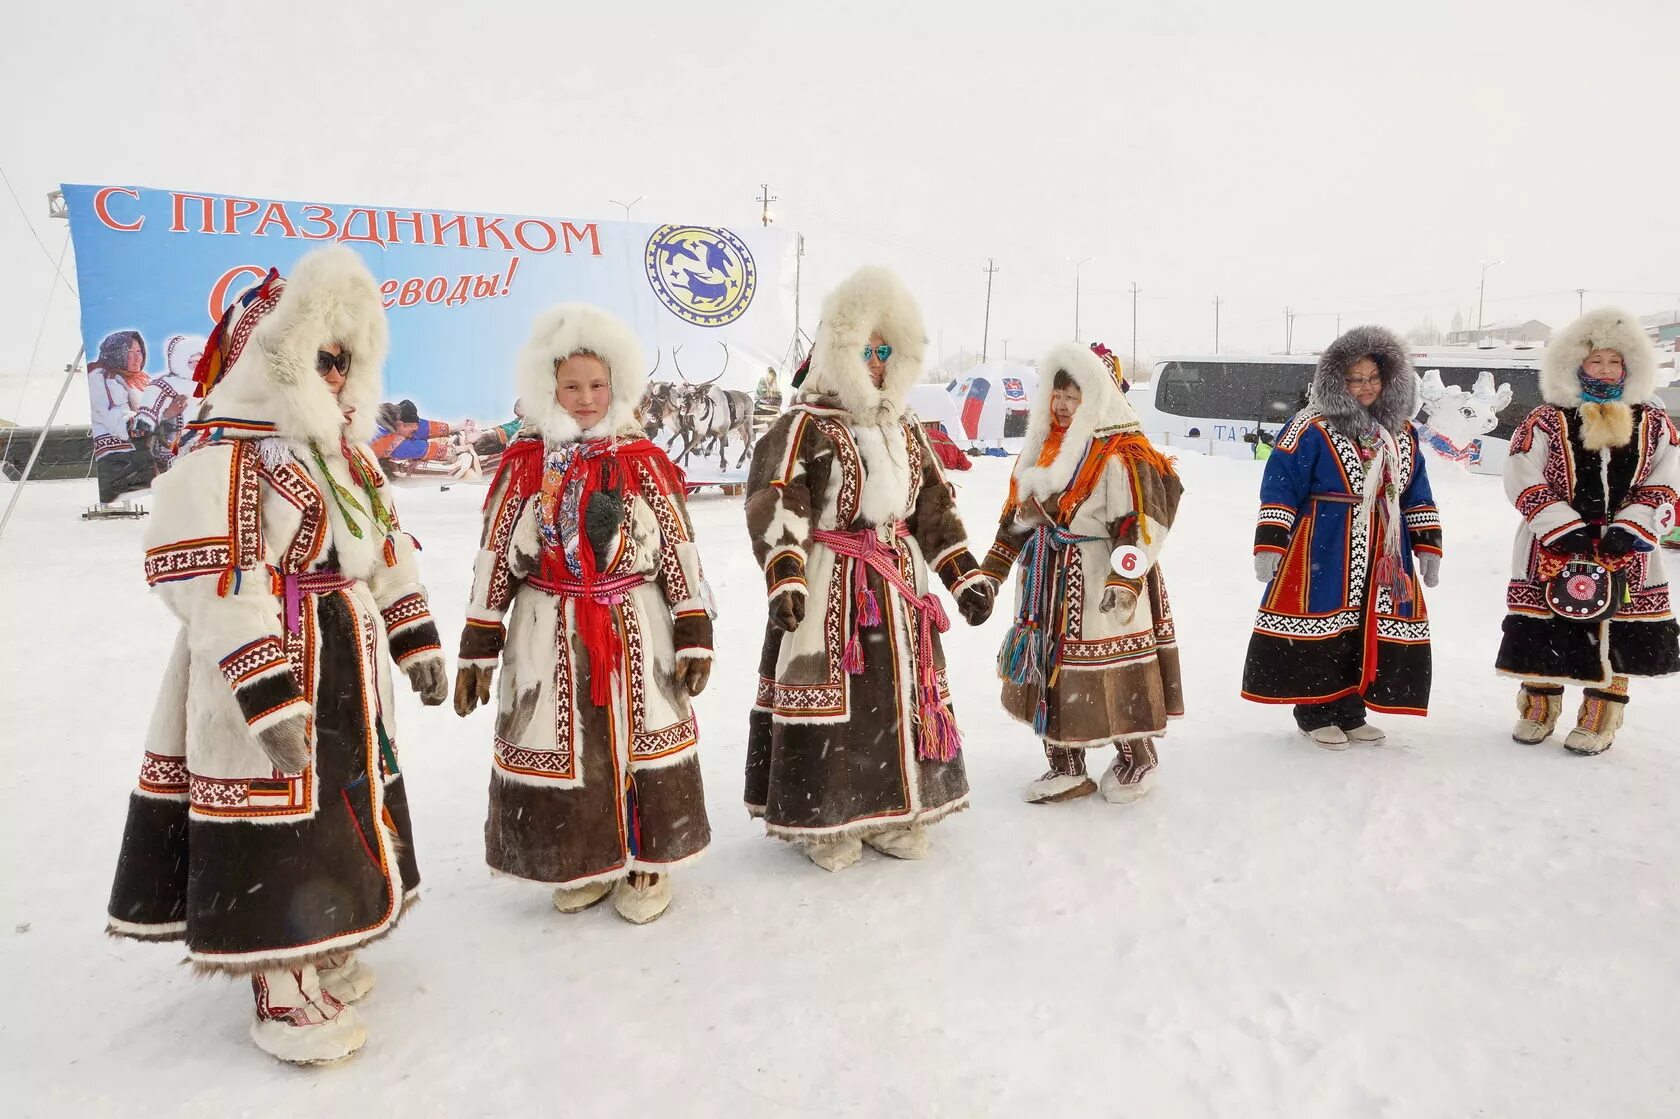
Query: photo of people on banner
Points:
[158, 270]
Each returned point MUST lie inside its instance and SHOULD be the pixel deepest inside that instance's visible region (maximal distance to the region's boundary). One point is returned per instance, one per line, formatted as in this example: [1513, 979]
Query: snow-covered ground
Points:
[1449, 925]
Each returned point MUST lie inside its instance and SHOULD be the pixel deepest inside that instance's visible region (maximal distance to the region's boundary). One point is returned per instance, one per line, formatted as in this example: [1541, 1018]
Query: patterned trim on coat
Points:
[163, 775]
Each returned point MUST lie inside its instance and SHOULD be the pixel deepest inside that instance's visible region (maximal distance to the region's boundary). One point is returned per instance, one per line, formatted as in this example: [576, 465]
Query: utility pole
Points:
[1006, 349]
[1076, 266]
[765, 198]
[798, 261]
[1288, 332]
[1133, 365]
[1580, 299]
[1216, 324]
[986, 331]
[1338, 324]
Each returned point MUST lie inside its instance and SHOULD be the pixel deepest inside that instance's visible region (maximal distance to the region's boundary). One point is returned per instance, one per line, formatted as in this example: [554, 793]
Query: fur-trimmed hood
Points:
[870, 300]
[181, 354]
[1393, 409]
[579, 328]
[1103, 410]
[330, 297]
[1603, 328]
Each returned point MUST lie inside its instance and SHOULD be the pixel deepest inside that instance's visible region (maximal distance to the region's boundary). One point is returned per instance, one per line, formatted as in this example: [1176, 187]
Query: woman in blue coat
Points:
[1347, 530]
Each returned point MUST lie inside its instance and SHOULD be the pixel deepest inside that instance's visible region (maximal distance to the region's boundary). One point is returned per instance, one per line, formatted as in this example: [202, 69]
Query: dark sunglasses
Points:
[325, 363]
[881, 353]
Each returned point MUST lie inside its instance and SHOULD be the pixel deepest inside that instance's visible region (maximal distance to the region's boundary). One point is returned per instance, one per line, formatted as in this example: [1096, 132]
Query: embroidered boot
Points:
[300, 1023]
[1066, 778]
[345, 977]
[1133, 773]
[1539, 707]
[1600, 718]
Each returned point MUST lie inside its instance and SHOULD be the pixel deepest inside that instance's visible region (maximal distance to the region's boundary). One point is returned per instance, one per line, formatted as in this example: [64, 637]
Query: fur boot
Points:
[642, 898]
[345, 977]
[1365, 733]
[1602, 710]
[1133, 773]
[1329, 738]
[1066, 778]
[298, 1022]
[835, 854]
[1539, 706]
[900, 843]
[578, 898]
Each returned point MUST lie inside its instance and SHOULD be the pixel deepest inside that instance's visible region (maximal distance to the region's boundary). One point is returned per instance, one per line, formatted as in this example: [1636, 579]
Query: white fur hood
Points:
[330, 297]
[1607, 328]
[556, 335]
[1103, 409]
[870, 300]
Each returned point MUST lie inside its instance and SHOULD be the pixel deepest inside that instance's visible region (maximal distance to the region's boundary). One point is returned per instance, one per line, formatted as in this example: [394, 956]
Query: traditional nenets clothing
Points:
[270, 828]
[588, 591]
[1091, 659]
[1347, 527]
[1593, 472]
[852, 737]
[122, 435]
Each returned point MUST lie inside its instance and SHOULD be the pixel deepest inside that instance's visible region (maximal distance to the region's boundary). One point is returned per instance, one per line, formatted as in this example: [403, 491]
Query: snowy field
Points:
[1450, 925]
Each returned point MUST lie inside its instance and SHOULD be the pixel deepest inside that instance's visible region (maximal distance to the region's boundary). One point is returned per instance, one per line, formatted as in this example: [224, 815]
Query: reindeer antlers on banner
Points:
[702, 384]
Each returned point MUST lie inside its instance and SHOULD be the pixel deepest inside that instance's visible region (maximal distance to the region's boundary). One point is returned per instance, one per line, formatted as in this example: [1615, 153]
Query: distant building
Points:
[1532, 331]
[1664, 329]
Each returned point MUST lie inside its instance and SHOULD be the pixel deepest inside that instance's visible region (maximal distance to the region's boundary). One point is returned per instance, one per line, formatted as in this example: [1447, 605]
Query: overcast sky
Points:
[1327, 155]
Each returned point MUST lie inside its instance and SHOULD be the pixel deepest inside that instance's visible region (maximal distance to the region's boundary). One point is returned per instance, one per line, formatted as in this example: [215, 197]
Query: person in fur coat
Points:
[1593, 472]
[588, 592]
[852, 739]
[270, 827]
[1348, 530]
[1092, 658]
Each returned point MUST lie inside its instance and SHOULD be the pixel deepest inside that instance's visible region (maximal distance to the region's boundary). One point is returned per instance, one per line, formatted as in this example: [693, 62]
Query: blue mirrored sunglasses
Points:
[881, 353]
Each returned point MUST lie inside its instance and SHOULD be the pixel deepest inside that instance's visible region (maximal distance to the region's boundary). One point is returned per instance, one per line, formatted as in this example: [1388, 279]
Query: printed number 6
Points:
[1129, 561]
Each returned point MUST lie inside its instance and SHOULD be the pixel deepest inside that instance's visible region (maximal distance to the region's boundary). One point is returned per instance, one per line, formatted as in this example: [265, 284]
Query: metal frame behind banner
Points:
[70, 372]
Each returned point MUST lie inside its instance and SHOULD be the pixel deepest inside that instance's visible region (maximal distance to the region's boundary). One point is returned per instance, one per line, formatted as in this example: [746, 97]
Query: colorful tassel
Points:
[940, 741]
[868, 609]
[852, 659]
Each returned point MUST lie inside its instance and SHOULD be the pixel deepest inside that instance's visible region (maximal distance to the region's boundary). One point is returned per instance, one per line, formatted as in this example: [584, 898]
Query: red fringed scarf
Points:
[605, 466]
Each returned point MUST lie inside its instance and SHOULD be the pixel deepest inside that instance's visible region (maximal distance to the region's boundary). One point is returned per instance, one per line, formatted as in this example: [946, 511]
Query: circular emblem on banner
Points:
[1129, 561]
[703, 276]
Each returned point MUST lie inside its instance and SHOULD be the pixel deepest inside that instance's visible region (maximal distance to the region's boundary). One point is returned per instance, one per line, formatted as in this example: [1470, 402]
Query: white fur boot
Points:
[1066, 778]
[578, 898]
[345, 977]
[1329, 738]
[900, 843]
[300, 1023]
[835, 854]
[642, 898]
[1539, 706]
[1600, 719]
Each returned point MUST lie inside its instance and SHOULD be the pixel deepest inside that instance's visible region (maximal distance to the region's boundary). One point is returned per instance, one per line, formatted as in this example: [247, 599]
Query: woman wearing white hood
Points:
[852, 739]
[588, 554]
[1091, 659]
[1593, 472]
[270, 827]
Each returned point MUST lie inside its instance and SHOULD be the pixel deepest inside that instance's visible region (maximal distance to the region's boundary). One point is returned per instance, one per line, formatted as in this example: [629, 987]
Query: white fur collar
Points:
[871, 300]
[557, 334]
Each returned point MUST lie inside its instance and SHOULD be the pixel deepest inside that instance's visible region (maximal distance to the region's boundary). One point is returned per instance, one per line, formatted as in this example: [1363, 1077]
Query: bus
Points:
[1216, 403]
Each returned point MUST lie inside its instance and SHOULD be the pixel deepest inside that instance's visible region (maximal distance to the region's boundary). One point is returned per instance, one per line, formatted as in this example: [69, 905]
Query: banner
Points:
[156, 268]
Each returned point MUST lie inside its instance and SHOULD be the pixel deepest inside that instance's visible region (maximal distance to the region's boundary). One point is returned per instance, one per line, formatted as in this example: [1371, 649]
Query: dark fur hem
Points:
[202, 966]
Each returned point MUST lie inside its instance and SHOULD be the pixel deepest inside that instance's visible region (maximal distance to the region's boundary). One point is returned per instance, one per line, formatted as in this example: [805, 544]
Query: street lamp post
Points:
[1481, 295]
[627, 205]
[1077, 265]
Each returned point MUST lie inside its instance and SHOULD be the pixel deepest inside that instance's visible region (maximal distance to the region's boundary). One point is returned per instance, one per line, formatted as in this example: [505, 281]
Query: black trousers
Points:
[1347, 713]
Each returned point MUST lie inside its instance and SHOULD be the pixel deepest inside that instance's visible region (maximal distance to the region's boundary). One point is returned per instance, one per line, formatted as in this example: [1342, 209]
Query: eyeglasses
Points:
[325, 363]
[1363, 382]
[880, 353]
